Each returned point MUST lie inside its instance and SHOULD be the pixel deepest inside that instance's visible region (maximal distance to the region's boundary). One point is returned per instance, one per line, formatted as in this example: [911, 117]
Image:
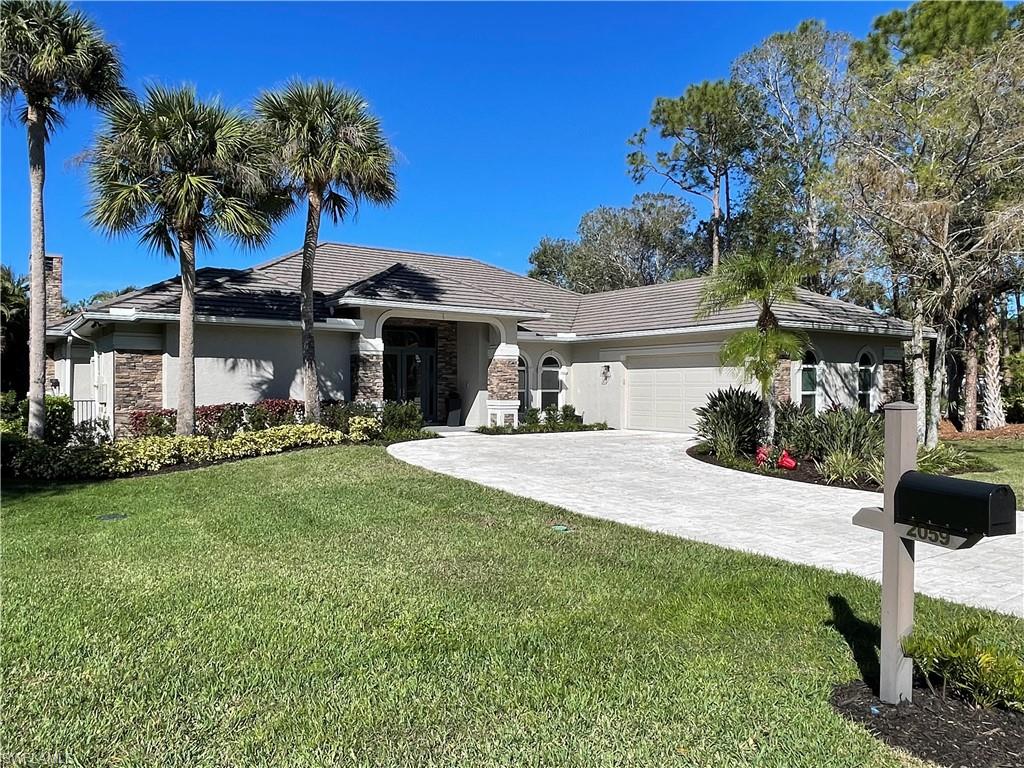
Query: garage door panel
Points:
[663, 392]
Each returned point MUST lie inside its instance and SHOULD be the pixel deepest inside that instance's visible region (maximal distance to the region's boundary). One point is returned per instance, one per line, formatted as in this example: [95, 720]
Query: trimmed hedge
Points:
[34, 460]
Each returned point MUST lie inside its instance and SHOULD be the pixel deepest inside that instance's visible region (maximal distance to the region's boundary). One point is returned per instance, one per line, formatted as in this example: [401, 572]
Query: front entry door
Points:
[410, 375]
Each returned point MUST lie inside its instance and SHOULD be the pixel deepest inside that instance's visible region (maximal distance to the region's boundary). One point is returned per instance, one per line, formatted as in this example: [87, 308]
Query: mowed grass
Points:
[1007, 454]
[337, 607]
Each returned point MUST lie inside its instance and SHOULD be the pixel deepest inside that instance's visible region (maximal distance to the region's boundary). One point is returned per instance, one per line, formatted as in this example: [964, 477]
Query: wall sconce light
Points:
[606, 374]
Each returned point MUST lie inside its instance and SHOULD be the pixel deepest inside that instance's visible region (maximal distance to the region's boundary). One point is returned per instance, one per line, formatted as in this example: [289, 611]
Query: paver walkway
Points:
[646, 479]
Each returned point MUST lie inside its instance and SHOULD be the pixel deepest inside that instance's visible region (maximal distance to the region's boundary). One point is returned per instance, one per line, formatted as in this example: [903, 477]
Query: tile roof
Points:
[271, 291]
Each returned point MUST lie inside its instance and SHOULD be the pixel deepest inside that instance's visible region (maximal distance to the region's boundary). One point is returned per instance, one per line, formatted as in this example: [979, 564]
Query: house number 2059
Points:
[927, 534]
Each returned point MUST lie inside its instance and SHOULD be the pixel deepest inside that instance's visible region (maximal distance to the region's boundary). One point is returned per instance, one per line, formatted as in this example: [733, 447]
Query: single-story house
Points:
[469, 342]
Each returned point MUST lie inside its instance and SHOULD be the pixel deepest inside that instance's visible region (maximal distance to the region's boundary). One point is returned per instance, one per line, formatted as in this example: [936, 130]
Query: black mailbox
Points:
[958, 507]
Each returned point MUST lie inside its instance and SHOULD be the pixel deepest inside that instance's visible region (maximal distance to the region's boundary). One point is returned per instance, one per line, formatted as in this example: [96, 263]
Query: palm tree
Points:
[335, 156]
[766, 279]
[53, 57]
[178, 172]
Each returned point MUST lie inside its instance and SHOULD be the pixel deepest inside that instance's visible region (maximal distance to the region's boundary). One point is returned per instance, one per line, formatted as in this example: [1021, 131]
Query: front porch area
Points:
[460, 372]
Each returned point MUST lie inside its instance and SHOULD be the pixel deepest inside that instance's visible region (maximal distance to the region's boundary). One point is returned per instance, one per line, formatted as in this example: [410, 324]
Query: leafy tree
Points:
[766, 278]
[932, 29]
[642, 244]
[935, 152]
[707, 140]
[179, 172]
[52, 57]
[335, 155]
[799, 78]
[14, 312]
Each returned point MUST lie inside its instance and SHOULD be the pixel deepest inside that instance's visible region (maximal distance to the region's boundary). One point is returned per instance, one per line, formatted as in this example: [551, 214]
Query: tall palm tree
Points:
[764, 278]
[178, 172]
[335, 156]
[53, 58]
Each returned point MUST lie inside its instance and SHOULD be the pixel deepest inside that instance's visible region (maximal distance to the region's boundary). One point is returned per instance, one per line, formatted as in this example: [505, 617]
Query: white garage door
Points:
[664, 391]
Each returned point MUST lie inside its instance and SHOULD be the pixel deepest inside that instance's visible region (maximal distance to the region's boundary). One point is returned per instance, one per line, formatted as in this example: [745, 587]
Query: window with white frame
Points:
[550, 383]
[865, 380]
[809, 382]
[524, 386]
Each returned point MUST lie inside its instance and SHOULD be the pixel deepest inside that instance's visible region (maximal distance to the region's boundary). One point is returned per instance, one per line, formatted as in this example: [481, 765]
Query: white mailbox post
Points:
[933, 509]
[896, 680]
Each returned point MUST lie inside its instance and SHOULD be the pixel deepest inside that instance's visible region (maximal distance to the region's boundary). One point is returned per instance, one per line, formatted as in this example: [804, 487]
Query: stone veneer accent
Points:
[367, 378]
[138, 385]
[53, 282]
[503, 379]
[783, 382]
[892, 381]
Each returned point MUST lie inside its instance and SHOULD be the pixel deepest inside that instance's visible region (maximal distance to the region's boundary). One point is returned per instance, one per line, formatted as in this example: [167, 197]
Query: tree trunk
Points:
[993, 416]
[186, 337]
[37, 277]
[970, 381]
[311, 384]
[727, 239]
[716, 212]
[1020, 321]
[938, 382]
[918, 364]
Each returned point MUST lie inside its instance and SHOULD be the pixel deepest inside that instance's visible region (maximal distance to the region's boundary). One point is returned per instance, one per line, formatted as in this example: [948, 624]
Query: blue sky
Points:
[511, 120]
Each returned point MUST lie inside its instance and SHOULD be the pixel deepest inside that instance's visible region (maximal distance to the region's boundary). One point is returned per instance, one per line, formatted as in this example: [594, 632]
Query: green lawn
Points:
[1007, 454]
[337, 607]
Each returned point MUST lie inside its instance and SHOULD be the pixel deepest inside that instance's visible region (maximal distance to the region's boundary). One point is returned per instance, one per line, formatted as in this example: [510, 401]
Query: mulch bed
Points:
[948, 431]
[947, 731]
[804, 472]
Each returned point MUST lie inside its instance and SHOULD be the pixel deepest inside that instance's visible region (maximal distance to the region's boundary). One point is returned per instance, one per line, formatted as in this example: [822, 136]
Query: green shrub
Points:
[848, 430]
[25, 458]
[732, 420]
[956, 660]
[34, 460]
[60, 418]
[794, 430]
[542, 427]
[943, 459]
[1013, 390]
[569, 415]
[159, 423]
[9, 406]
[841, 466]
[532, 416]
[552, 415]
[337, 415]
[406, 435]
[401, 417]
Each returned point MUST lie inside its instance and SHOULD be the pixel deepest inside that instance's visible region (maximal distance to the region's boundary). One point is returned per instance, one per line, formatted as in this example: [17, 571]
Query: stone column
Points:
[783, 382]
[503, 386]
[368, 371]
[892, 381]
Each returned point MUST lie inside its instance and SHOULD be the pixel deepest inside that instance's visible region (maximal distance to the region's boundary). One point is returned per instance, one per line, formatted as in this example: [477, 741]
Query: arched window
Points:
[865, 380]
[809, 382]
[550, 384]
[524, 386]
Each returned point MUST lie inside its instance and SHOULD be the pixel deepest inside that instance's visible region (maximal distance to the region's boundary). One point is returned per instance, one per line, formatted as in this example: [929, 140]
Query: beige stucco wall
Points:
[241, 364]
[596, 380]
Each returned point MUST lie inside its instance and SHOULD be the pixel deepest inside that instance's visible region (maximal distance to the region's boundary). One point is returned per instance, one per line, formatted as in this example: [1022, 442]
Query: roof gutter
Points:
[133, 316]
[429, 307]
[570, 338]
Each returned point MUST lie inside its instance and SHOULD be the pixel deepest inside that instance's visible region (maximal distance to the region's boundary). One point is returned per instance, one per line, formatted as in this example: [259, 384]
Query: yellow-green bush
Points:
[28, 459]
[958, 661]
[362, 429]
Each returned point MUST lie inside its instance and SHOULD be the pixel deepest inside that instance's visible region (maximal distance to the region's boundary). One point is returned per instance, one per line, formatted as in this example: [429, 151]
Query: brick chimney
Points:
[53, 275]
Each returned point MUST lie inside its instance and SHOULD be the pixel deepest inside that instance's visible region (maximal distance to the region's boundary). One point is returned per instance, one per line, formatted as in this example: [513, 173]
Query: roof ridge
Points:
[512, 302]
[366, 280]
[454, 258]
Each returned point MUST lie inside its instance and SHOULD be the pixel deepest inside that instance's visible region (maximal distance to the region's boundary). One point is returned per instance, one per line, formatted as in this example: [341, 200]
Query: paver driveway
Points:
[647, 480]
